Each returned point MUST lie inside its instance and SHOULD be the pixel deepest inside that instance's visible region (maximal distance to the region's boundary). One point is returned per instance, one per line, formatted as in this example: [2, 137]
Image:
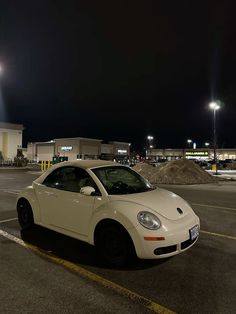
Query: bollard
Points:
[45, 165]
[214, 167]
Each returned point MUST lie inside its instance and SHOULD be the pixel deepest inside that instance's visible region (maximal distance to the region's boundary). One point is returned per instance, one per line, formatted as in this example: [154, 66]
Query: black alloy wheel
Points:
[25, 214]
[115, 246]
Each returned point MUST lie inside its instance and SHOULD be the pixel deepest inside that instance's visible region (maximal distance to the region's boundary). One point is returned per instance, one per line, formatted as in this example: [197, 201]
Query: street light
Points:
[189, 142]
[194, 144]
[150, 138]
[214, 106]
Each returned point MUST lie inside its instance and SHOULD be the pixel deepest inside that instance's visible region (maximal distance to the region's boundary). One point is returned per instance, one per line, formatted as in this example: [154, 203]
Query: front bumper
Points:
[176, 238]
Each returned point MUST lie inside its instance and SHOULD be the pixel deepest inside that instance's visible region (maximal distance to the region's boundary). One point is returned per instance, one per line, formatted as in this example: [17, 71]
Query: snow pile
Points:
[180, 171]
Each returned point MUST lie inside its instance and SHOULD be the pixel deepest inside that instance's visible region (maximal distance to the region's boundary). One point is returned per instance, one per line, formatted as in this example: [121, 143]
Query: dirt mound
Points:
[180, 171]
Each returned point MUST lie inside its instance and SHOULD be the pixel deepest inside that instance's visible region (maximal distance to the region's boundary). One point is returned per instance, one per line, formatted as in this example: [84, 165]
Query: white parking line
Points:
[133, 296]
[219, 235]
[36, 172]
[7, 220]
[214, 206]
[10, 191]
[12, 238]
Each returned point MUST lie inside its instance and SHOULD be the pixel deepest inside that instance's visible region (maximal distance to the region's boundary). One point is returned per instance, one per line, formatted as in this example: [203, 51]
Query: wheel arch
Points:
[25, 214]
[29, 195]
[109, 222]
[20, 199]
[106, 233]
[23, 199]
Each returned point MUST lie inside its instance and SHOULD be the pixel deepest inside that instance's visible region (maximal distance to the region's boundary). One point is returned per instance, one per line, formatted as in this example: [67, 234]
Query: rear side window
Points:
[69, 179]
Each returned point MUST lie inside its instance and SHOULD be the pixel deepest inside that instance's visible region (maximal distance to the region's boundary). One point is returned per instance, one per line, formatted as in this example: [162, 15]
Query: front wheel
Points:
[115, 246]
[25, 214]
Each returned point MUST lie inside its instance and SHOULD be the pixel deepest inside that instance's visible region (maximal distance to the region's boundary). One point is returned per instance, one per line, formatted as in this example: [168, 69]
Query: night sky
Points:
[119, 70]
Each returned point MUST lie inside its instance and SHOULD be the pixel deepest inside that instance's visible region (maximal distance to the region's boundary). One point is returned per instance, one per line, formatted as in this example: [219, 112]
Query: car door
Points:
[61, 203]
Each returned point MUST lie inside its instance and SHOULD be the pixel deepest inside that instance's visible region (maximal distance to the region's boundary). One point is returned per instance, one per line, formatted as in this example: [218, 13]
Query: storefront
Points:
[10, 139]
[78, 148]
[199, 154]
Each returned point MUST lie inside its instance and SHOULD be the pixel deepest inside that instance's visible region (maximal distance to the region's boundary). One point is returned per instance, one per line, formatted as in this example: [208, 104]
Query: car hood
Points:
[163, 202]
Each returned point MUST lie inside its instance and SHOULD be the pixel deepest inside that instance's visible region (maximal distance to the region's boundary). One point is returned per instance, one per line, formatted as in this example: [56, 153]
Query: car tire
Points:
[25, 214]
[115, 245]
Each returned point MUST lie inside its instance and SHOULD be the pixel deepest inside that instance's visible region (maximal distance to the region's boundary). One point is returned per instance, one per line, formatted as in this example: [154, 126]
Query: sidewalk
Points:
[226, 174]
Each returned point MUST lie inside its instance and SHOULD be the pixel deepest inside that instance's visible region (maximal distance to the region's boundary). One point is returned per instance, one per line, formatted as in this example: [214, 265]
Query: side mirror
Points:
[87, 190]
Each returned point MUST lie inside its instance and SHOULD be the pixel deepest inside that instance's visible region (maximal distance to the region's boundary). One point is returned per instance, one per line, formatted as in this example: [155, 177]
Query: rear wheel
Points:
[115, 245]
[25, 214]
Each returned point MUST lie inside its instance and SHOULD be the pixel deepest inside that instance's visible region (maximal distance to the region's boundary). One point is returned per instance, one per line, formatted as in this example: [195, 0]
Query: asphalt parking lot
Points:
[42, 271]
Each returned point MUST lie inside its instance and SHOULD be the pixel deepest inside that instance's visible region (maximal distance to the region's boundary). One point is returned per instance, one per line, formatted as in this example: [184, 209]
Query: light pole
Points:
[214, 106]
[150, 138]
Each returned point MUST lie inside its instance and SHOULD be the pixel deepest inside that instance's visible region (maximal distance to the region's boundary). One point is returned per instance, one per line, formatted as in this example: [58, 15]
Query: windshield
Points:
[122, 180]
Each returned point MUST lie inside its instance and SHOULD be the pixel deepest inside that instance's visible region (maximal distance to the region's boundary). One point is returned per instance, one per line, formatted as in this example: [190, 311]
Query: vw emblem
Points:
[179, 210]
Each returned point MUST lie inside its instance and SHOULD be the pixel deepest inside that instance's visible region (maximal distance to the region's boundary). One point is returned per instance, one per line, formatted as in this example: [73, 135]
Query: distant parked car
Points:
[203, 164]
[112, 207]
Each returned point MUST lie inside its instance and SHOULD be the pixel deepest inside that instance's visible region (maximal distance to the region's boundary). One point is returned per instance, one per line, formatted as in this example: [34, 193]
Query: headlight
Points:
[148, 220]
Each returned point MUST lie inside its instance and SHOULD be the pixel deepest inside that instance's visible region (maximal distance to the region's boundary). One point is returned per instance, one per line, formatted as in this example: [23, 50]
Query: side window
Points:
[54, 179]
[69, 179]
[84, 179]
[63, 179]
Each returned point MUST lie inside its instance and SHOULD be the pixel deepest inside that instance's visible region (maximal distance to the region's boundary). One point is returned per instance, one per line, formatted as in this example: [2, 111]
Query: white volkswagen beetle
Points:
[110, 206]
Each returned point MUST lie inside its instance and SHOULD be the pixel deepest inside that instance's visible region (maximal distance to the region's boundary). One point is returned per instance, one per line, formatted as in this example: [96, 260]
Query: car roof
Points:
[88, 164]
[84, 164]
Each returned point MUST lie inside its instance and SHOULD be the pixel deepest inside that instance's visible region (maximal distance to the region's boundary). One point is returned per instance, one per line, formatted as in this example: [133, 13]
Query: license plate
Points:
[194, 232]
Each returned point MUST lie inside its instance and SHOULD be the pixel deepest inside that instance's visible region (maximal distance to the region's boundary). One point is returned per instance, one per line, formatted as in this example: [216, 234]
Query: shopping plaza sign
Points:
[197, 154]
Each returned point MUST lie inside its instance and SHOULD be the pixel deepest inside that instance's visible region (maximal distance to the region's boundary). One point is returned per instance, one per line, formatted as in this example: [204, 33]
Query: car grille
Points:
[165, 250]
[187, 243]
[173, 248]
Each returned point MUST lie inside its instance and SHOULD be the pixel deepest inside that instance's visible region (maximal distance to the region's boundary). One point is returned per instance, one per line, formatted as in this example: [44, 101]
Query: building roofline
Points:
[191, 149]
[78, 138]
[46, 142]
[11, 126]
[116, 142]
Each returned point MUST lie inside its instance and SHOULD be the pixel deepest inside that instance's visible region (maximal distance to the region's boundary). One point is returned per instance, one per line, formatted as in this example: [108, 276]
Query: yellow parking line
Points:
[155, 307]
[219, 235]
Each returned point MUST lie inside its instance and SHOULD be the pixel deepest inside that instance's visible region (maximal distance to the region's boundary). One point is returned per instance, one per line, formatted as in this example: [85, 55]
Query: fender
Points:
[29, 194]
[120, 211]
